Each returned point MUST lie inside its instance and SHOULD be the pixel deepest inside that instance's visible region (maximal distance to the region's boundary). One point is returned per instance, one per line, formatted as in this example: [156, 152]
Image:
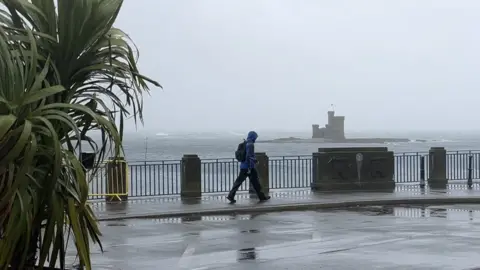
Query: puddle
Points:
[250, 231]
[371, 210]
[116, 224]
[247, 254]
[466, 212]
[195, 218]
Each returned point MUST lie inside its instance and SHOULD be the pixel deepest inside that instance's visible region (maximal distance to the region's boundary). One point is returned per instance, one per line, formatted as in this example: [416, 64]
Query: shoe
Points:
[265, 199]
[231, 200]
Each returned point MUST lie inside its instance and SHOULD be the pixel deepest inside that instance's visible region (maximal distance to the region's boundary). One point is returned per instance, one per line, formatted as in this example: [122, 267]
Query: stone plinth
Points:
[191, 177]
[263, 171]
[437, 177]
[361, 168]
[117, 180]
[263, 174]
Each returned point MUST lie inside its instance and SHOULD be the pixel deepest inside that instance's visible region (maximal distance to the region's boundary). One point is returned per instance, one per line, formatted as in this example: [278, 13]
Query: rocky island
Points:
[334, 132]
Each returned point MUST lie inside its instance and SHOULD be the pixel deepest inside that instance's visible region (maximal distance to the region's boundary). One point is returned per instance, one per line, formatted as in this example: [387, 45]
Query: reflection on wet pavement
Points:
[403, 237]
[247, 254]
[176, 206]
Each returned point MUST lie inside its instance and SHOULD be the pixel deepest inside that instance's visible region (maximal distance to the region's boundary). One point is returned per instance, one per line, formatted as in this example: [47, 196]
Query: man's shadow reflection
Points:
[116, 207]
[245, 254]
[248, 254]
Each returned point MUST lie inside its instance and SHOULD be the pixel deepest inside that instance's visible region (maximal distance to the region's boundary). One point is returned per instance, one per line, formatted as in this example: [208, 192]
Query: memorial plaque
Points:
[340, 169]
[377, 166]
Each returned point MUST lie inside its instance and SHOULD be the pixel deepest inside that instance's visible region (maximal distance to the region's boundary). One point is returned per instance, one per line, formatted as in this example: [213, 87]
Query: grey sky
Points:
[263, 64]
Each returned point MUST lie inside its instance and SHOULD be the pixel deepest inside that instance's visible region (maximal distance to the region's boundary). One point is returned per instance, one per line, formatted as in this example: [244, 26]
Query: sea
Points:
[158, 146]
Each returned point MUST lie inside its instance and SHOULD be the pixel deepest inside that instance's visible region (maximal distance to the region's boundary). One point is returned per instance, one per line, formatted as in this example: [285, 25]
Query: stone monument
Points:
[353, 168]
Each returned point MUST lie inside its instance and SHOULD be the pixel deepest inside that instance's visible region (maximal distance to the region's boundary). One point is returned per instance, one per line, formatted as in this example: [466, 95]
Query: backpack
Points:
[241, 153]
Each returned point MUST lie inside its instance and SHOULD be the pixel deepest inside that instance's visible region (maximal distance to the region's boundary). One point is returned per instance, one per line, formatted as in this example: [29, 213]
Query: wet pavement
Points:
[367, 237]
[217, 203]
[374, 237]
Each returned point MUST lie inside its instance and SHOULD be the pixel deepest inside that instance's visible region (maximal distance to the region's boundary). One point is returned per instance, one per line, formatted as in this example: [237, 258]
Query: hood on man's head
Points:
[252, 136]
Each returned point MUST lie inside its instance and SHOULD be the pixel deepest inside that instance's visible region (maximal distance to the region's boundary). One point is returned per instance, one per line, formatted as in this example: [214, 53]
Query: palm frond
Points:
[65, 71]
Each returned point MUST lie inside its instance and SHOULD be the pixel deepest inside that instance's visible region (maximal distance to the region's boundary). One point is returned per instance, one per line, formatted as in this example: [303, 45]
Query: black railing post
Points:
[470, 171]
[145, 175]
[422, 171]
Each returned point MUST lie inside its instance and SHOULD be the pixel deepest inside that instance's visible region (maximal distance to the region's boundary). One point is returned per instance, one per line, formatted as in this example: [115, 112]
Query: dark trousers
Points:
[253, 177]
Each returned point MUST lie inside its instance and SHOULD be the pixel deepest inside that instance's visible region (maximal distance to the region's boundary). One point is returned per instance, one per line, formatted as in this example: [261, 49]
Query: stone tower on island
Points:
[333, 130]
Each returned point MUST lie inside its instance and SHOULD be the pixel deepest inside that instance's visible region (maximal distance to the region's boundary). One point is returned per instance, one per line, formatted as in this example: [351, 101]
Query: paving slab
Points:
[281, 201]
[370, 237]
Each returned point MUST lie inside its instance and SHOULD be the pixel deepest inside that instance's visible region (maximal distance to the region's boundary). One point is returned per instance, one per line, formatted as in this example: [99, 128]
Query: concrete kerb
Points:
[265, 208]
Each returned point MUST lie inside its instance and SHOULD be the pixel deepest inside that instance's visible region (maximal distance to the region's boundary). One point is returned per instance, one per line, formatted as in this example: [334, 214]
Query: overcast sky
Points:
[266, 64]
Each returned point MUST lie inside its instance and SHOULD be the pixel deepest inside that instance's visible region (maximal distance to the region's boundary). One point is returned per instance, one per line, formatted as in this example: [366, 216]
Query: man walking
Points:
[246, 155]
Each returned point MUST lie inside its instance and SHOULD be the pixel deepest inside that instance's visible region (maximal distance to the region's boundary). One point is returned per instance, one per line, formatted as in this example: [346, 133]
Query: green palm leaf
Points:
[64, 72]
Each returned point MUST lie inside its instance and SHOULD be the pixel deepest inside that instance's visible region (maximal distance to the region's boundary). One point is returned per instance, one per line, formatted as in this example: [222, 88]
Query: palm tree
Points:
[65, 71]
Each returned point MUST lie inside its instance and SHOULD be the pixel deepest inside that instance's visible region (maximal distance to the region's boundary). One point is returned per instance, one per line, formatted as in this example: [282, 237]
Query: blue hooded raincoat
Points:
[250, 160]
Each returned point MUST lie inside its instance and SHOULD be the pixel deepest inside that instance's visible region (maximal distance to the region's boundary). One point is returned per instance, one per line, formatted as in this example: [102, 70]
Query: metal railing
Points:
[154, 179]
[218, 175]
[463, 165]
[286, 172]
[290, 172]
[113, 188]
[408, 167]
[98, 182]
